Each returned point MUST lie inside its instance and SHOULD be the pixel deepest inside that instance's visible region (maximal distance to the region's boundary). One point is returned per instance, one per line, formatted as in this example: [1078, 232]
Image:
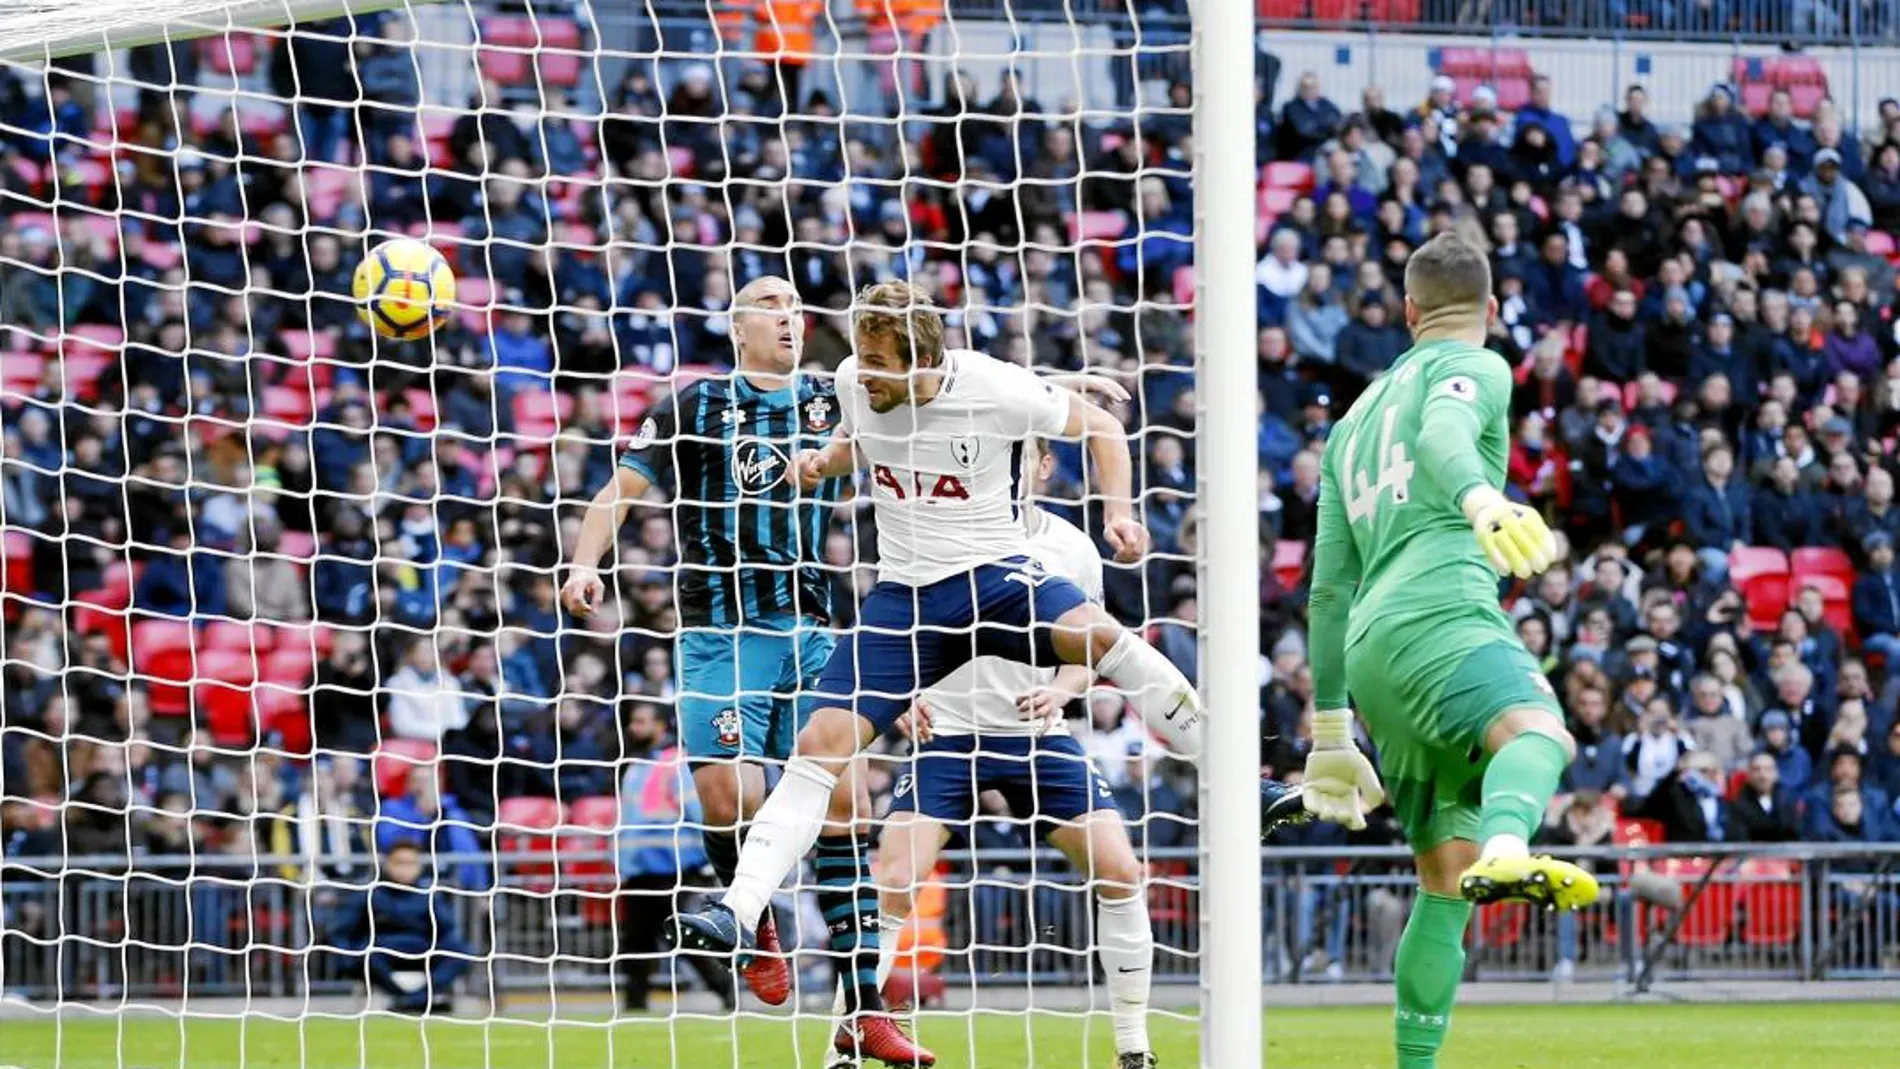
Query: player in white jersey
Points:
[943, 433]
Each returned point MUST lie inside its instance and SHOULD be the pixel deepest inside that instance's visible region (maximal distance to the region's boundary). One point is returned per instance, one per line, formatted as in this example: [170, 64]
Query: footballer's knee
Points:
[1530, 720]
[831, 738]
[1085, 634]
[1118, 876]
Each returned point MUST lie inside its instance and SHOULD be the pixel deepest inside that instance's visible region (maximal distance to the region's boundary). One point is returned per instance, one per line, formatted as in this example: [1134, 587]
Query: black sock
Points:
[722, 851]
[848, 898]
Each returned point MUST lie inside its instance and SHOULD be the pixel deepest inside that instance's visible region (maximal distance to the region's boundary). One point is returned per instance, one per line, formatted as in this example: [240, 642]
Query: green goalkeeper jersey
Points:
[1396, 567]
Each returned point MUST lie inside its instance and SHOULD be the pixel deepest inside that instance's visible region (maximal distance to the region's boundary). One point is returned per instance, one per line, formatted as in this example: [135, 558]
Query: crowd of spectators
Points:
[1702, 328]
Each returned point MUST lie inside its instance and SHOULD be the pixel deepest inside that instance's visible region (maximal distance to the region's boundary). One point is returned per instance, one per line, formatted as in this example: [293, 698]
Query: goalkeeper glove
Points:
[1512, 536]
[1340, 784]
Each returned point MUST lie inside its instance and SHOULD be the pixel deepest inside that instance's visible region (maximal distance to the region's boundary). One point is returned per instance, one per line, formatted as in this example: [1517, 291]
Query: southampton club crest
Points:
[726, 723]
[965, 448]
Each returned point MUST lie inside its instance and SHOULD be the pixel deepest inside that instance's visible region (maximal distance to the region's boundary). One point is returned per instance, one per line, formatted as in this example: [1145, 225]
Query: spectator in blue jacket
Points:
[1874, 512]
[1778, 741]
[1538, 113]
[1643, 485]
[1618, 348]
[1846, 773]
[1722, 133]
[1779, 128]
[1877, 599]
[437, 823]
[1308, 121]
[1554, 285]
[1786, 514]
[1718, 513]
[404, 926]
[1599, 765]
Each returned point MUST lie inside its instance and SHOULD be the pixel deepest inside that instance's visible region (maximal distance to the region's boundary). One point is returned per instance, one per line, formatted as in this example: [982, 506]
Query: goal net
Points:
[282, 600]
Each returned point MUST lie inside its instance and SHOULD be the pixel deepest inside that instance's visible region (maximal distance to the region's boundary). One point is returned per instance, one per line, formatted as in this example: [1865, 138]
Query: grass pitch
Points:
[1723, 1036]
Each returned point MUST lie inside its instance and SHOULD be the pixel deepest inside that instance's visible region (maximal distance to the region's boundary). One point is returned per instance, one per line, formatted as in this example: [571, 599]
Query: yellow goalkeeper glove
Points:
[1339, 785]
[1512, 536]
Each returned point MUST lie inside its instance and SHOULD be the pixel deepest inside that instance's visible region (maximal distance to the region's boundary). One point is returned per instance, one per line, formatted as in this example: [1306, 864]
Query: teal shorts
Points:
[739, 688]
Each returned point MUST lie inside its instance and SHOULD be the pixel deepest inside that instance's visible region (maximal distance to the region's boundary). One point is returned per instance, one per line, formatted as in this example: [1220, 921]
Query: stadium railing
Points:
[220, 926]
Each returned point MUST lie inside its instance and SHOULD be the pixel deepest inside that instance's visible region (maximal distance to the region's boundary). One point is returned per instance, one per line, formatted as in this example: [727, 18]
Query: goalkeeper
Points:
[1404, 616]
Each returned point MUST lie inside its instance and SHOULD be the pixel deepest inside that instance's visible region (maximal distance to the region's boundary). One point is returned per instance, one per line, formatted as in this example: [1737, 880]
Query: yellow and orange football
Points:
[404, 289]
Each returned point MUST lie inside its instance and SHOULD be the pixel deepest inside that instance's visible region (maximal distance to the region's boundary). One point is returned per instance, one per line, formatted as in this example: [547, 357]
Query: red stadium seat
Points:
[601, 812]
[18, 575]
[506, 66]
[1771, 903]
[236, 636]
[286, 715]
[1821, 560]
[559, 69]
[1880, 243]
[1750, 561]
[1807, 98]
[512, 30]
[1184, 285]
[231, 53]
[561, 33]
[227, 714]
[527, 825]
[1289, 560]
[1767, 597]
[1280, 10]
[1098, 226]
[297, 545]
[1633, 831]
[287, 404]
[1288, 174]
[396, 760]
[1502, 924]
[1710, 919]
[541, 415]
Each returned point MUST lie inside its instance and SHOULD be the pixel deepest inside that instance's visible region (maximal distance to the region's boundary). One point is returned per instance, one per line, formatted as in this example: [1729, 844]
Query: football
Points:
[404, 289]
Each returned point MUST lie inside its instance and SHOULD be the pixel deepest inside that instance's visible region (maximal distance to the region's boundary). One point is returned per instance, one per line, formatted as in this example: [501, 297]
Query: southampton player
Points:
[943, 433]
[997, 724]
[1404, 616]
[752, 601]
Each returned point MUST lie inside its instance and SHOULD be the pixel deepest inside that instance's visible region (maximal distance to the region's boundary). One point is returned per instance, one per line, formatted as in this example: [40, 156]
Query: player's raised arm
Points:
[647, 460]
[1107, 443]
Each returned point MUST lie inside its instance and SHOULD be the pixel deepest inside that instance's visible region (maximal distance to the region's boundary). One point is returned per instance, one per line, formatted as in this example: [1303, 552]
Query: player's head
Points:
[895, 331]
[768, 325]
[1448, 288]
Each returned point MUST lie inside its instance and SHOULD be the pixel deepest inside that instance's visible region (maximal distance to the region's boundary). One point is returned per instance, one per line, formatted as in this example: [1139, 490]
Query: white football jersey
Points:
[980, 697]
[947, 477]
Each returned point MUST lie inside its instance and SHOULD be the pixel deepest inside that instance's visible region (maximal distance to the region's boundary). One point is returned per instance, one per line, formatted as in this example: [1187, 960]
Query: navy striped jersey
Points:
[750, 542]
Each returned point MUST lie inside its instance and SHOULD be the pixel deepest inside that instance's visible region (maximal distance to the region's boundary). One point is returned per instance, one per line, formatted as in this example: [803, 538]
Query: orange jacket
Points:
[787, 29]
[910, 16]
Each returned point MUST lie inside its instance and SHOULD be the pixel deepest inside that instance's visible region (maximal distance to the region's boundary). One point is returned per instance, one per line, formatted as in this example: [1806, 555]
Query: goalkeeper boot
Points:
[1280, 806]
[1541, 880]
[876, 1035]
[1134, 1059]
[767, 974]
[714, 930]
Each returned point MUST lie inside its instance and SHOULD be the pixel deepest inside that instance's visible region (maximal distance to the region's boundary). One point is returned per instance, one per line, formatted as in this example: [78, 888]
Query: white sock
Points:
[1126, 946]
[1158, 691]
[1505, 845]
[889, 926]
[783, 832]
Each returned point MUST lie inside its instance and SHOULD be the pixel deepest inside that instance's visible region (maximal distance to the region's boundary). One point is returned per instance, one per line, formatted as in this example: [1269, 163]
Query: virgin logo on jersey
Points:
[906, 484]
[758, 466]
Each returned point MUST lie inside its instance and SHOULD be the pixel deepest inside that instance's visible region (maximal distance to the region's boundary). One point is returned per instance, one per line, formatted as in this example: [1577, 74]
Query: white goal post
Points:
[187, 336]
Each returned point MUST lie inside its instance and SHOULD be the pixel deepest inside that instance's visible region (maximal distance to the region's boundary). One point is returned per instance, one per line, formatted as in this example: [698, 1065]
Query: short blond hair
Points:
[901, 311]
[1448, 276]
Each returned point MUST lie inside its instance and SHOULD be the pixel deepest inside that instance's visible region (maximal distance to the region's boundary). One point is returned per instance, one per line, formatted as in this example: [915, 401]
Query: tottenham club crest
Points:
[726, 723]
[964, 448]
[758, 466]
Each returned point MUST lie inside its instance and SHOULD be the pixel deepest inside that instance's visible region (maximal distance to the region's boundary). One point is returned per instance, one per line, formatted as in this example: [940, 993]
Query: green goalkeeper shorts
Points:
[1429, 710]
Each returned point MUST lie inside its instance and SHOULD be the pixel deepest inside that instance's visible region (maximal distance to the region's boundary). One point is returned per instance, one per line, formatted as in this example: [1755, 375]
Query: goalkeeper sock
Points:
[847, 897]
[1158, 691]
[1125, 945]
[1431, 962]
[1518, 785]
[783, 831]
[722, 852]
